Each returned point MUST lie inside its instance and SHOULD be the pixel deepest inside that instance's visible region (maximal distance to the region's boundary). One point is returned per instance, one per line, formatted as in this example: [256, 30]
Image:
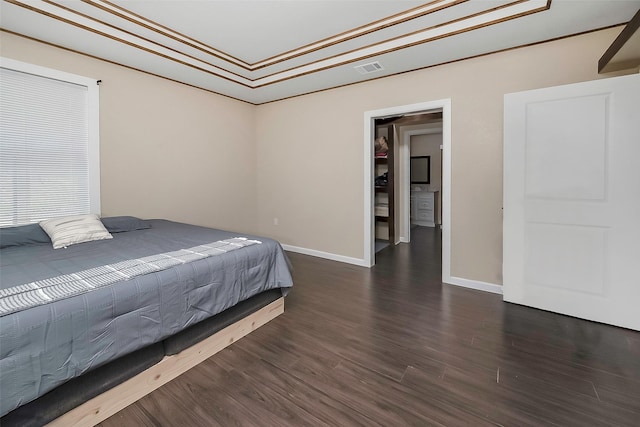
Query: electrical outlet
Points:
[275, 221]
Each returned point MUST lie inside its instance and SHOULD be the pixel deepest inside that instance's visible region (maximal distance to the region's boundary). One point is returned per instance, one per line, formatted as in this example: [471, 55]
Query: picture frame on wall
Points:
[420, 169]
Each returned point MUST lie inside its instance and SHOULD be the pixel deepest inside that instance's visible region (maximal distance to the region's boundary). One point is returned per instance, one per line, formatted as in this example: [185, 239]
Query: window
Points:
[49, 144]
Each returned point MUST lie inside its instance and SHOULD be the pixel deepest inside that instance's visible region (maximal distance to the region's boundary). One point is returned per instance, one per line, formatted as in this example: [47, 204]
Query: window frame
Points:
[93, 103]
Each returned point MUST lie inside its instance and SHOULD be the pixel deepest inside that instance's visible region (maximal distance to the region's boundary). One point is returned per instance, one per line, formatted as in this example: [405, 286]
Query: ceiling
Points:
[263, 50]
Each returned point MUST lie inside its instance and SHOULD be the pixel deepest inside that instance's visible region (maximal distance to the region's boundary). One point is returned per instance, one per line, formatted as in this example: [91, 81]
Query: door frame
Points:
[368, 209]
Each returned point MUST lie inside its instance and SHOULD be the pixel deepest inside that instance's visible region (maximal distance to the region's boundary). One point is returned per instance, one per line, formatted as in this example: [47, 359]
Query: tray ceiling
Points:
[260, 51]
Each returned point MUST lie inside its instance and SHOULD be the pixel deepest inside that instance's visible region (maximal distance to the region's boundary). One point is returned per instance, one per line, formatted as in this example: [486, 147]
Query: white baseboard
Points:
[474, 284]
[326, 255]
[457, 281]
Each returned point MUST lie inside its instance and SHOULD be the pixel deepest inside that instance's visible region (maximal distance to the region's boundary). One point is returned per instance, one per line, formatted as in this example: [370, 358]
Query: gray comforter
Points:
[44, 346]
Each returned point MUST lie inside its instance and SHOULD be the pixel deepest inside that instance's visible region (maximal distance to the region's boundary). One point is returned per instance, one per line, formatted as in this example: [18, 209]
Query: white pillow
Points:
[69, 230]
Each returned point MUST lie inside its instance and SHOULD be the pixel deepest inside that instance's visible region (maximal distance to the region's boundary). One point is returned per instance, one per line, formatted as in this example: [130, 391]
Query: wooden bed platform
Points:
[112, 401]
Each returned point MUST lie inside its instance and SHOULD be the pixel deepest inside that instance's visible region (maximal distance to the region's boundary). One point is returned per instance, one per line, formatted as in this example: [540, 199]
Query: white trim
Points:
[488, 16]
[325, 255]
[446, 189]
[369, 116]
[356, 32]
[421, 36]
[37, 70]
[94, 147]
[475, 284]
[369, 224]
[93, 92]
[455, 281]
[405, 193]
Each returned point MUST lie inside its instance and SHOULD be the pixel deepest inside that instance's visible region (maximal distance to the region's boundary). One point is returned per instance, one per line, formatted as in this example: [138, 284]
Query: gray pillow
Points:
[23, 235]
[70, 230]
[120, 224]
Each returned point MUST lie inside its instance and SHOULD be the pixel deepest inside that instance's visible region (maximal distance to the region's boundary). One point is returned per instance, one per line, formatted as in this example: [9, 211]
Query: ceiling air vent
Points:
[371, 67]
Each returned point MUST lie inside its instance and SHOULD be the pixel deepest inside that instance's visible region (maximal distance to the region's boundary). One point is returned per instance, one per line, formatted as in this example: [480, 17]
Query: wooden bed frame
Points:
[112, 401]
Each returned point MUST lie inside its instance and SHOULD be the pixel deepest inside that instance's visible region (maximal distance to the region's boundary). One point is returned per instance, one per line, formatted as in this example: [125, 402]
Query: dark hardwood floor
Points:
[392, 346]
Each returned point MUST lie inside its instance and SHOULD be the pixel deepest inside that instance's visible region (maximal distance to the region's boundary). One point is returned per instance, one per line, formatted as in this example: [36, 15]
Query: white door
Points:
[572, 200]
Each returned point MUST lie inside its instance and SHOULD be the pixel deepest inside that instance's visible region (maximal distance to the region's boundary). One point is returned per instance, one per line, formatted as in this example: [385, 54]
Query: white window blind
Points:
[45, 148]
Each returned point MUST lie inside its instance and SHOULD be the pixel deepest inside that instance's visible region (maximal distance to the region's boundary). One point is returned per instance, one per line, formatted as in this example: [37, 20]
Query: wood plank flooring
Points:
[392, 346]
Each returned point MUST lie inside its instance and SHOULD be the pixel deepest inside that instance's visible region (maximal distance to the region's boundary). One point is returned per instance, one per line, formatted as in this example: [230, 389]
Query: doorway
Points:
[420, 173]
[368, 157]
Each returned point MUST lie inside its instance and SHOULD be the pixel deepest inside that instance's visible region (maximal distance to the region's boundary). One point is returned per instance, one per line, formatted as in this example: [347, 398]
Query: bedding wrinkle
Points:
[24, 296]
[46, 345]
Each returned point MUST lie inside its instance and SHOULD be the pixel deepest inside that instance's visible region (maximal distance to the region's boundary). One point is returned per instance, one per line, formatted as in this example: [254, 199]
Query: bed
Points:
[77, 321]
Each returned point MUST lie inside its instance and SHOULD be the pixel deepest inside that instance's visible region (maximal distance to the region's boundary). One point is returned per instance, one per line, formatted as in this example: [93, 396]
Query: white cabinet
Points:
[424, 208]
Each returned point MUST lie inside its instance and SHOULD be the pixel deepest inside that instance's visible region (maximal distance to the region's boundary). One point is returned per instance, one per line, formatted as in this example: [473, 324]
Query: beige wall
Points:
[167, 150]
[310, 149]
